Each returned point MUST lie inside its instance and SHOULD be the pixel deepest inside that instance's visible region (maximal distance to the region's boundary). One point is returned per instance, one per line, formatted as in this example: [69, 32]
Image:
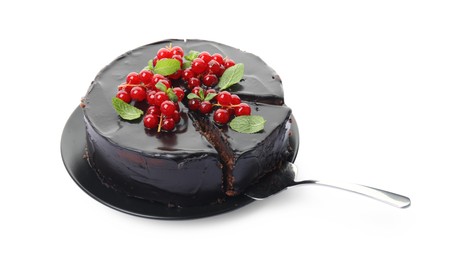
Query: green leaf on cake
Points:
[161, 86]
[247, 124]
[166, 67]
[231, 76]
[150, 65]
[171, 94]
[187, 64]
[125, 110]
[191, 55]
[192, 96]
[210, 96]
[201, 94]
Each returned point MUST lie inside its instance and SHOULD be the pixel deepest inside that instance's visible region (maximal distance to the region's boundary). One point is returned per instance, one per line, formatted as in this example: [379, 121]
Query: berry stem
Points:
[160, 123]
[229, 106]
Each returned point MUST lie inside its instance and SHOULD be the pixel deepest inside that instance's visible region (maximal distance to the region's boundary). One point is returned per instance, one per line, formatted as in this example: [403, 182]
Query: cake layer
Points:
[172, 176]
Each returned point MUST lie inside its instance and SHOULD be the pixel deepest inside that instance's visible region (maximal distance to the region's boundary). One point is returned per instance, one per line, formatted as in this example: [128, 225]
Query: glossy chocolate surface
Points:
[183, 167]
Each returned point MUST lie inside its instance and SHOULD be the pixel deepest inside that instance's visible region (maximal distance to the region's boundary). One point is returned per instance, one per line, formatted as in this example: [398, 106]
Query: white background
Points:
[371, 86]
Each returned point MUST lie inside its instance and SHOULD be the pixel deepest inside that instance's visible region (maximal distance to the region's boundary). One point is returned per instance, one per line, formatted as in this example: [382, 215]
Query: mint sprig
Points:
[192, 96]
[248, 124]
[202, 96]
[192, 55]
[210, 96]
[231, 76]
[166, 67]
[125, 110]
[187, 64]
[169, 91]
[171, 94]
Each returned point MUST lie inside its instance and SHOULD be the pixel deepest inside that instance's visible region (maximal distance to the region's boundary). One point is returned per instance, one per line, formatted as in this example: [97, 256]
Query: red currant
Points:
[196, 90]
[176, 75]
[167, 108]
[194, 104]
[146, 76]
[154, 110]
[123, 95]
[133, 78]
[156, 78]
[231, 111]
[224, 98]
[164, 53]
[228, 63]
[218, 57]
[205, 107]
[127, 88]
[177, 50]
[166, 83]
[155, 60]
[187, 74]
[221, 116]
[151, 97]
[176, 116]
[242, 109]
[168, 124]
[210, 80]
[179, 92]
[150, 121]
[214, 67]
[193, 82]
[178, 58]
[205, 56]
[199, 66]
[138, 93]
[211, 91]
[160, 97]
[235, 100]
[221, 71]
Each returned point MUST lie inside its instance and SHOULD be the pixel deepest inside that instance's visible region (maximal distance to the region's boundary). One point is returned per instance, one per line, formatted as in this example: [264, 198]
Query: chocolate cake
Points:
[199, 161]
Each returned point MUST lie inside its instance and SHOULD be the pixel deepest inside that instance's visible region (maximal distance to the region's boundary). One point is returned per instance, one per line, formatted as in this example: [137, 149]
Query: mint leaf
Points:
[166, 67]
[192, 55]
[210, 96]
[231, 76]
[171, 94]
[187, 64]
[161, 86]
[247, 124]
[125, 110]
[201, 94]
[192, 95]
[150, 65]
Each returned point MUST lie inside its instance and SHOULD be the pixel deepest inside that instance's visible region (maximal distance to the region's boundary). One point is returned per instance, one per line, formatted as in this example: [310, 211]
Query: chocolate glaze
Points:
[184, 167]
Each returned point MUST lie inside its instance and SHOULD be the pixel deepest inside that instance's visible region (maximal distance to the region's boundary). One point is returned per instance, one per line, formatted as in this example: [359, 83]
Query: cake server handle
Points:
[285, 178]
[388, 197]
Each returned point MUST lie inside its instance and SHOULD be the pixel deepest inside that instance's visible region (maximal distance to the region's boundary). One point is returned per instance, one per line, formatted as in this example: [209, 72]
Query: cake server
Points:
[285, 178]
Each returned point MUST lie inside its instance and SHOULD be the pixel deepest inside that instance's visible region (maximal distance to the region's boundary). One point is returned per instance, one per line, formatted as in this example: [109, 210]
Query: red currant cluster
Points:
[229, 104]
[206, 69]
[157, 90]
[138, 84]
[163, 111]
[170, 52]
[164, 116]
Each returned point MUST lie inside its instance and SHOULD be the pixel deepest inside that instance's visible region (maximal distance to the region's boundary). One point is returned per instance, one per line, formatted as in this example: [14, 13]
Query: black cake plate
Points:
[72, 150]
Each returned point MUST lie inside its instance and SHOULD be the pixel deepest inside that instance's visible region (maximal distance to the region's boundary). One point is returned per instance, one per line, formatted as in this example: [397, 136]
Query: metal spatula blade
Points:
[285, 177]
